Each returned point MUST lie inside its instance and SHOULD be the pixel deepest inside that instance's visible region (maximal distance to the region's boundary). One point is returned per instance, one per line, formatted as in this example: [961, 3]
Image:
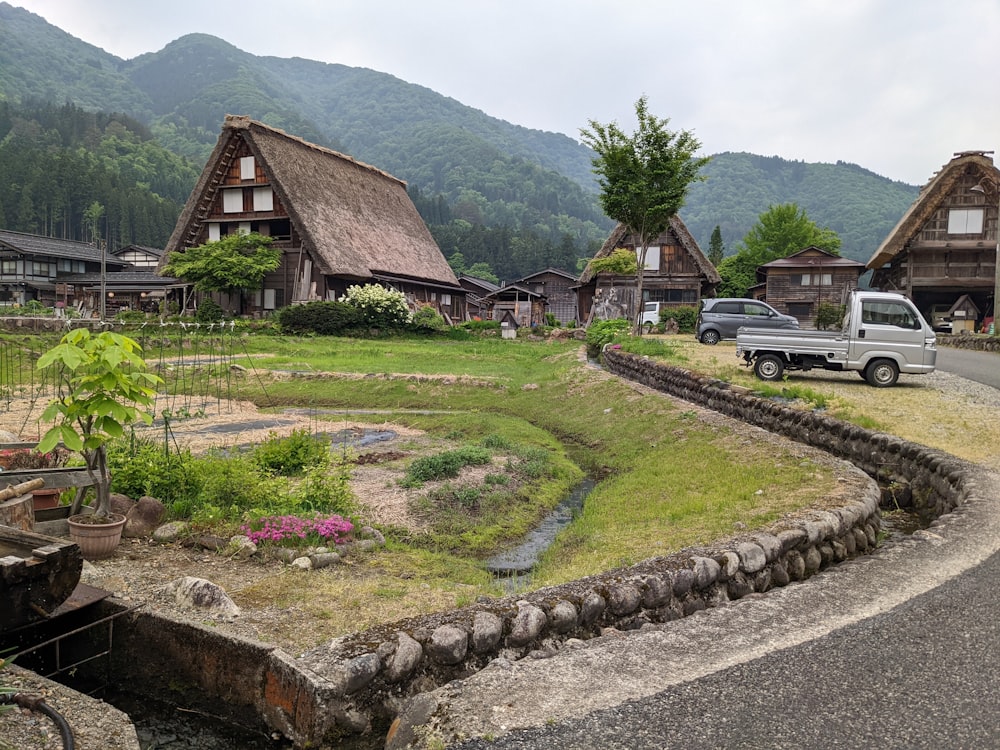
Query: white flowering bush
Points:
[379, 307]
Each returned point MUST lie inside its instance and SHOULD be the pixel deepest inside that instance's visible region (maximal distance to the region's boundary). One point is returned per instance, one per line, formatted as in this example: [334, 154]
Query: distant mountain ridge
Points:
[527, 185]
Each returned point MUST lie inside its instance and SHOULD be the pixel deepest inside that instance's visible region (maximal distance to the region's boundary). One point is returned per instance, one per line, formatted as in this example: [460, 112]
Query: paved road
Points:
[983, 367]
[898, 650]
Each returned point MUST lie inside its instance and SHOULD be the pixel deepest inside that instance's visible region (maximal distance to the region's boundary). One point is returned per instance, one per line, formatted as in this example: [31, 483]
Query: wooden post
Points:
[18, 513]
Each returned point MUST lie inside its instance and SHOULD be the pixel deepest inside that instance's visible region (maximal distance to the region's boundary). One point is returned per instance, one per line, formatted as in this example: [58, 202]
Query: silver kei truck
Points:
[883, 335]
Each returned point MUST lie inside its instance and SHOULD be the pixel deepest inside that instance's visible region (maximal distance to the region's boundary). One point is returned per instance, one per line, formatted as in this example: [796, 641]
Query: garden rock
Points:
[143, 517]
[203, 596]
[241, 548]
[170, 532]
[302, 563]
[448, 644]
[121, 504]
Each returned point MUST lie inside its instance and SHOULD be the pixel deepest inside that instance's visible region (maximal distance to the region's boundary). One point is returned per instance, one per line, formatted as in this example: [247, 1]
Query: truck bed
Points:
[831, 345]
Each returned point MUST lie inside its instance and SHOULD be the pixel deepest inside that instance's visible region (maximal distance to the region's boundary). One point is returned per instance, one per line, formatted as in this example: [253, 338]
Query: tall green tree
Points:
[779, 232]
[644, 178]
[716, 250]
[232, 264]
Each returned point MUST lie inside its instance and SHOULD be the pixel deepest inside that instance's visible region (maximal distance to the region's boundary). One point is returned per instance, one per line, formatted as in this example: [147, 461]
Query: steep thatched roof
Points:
[620, 234]
[354, 219]
[932, 195]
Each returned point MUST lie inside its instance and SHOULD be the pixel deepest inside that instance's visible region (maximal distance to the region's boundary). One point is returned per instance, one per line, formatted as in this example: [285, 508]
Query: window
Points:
[214, 235]
[889, 314]
[732, 308]
[232, 201]
[247, 168]
[244, 227]
[800, 309]
[965, 221]
[263, 199]
[811, 279]
[749, 308]
[446, 300]
[270, 298]
[652, 257]
[8, 267]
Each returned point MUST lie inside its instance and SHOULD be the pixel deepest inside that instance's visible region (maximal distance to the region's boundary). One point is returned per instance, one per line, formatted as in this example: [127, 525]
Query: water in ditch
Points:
[514, 566]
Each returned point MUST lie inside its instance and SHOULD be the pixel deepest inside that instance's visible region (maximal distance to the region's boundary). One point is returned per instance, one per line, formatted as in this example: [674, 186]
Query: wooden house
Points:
[798, 284]
[559, 289]
[517, 305]
[338, 222]
[139, 256]
[477, 305]
[945, 245]
[677, 272]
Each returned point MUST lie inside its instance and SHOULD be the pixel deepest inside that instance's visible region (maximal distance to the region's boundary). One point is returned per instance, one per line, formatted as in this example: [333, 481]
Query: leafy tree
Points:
[643, 177]
[457, 262]
[621, 261]
[482, 271]
[779, 232]
[716, 250]
[231, 264]
[105, 383]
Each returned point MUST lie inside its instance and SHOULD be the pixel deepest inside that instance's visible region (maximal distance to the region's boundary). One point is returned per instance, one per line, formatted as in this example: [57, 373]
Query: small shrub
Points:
[685, 315]
[829, 315]
[293, 531]
[291, 455]
[319, 318]
[482, 326]
[325, 489]
[621, 261]
[445, 465]
[604, 332]
[209, 311]
[428, 319]
[379, 307]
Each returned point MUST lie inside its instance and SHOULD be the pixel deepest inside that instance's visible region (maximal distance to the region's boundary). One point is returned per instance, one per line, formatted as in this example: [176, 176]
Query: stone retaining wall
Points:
[363, 680]
[978, 342]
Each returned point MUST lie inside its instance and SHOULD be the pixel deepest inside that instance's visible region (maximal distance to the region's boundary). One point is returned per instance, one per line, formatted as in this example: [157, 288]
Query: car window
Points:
[750, 308]
[650, 307]
[729, 308]
[888, 314]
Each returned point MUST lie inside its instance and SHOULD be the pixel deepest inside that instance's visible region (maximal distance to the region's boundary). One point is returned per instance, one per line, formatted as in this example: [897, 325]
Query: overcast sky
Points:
[896, 86]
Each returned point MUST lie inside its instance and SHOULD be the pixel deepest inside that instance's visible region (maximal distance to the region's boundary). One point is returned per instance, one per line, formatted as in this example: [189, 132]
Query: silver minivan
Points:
[721, 317]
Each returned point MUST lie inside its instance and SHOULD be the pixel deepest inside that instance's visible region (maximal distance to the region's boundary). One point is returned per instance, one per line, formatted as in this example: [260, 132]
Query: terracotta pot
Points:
[42, 499]
[97, 541]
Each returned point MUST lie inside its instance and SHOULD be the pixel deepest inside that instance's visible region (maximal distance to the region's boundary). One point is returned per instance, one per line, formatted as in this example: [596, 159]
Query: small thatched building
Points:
[945, 245]
[677, 272]
[337, 221]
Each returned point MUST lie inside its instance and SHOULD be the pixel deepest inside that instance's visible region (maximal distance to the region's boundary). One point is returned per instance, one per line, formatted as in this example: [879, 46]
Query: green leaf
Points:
[70, 438]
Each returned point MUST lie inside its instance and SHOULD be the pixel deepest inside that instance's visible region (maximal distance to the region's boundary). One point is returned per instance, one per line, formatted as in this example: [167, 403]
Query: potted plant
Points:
[104, 386]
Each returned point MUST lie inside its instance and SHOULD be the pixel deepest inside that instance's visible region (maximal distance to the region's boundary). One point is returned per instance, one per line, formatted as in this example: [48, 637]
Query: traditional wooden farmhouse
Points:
[68, 274]
[559, 290]
[677, 272]
[798, 284]
[945, 245]
[338, 222]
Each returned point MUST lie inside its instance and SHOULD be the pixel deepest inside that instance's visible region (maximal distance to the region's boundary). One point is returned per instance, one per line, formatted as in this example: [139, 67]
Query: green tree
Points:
[716, 250]
[104, 382]
[232, 264]
[644, 178]
[482, 271]
[457, 262]
[779, 232]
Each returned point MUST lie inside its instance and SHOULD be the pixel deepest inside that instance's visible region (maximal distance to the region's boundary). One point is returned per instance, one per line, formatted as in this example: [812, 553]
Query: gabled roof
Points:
[556, 271]
[516, 289]
[932, 195]
[354, 219]
[154, 251]
[34, 244]
[797, 260]
[679, 230]
[483, 284]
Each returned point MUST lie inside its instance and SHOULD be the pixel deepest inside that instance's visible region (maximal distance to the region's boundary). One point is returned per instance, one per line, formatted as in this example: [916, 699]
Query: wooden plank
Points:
[61, 478]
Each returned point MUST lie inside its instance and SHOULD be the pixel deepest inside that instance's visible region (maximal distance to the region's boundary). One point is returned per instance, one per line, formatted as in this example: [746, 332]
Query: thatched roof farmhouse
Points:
[338, 221]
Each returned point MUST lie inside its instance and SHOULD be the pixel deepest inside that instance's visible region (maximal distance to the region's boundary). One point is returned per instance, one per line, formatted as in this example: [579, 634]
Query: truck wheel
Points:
[882, 373]
[710, 337]
[769, 367]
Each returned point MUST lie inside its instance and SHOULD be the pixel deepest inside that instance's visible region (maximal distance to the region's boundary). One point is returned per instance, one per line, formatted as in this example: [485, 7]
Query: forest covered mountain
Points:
[515, 198]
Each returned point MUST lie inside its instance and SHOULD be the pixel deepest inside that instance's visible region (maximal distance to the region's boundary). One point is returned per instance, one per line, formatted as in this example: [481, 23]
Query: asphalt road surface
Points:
[982, 367]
